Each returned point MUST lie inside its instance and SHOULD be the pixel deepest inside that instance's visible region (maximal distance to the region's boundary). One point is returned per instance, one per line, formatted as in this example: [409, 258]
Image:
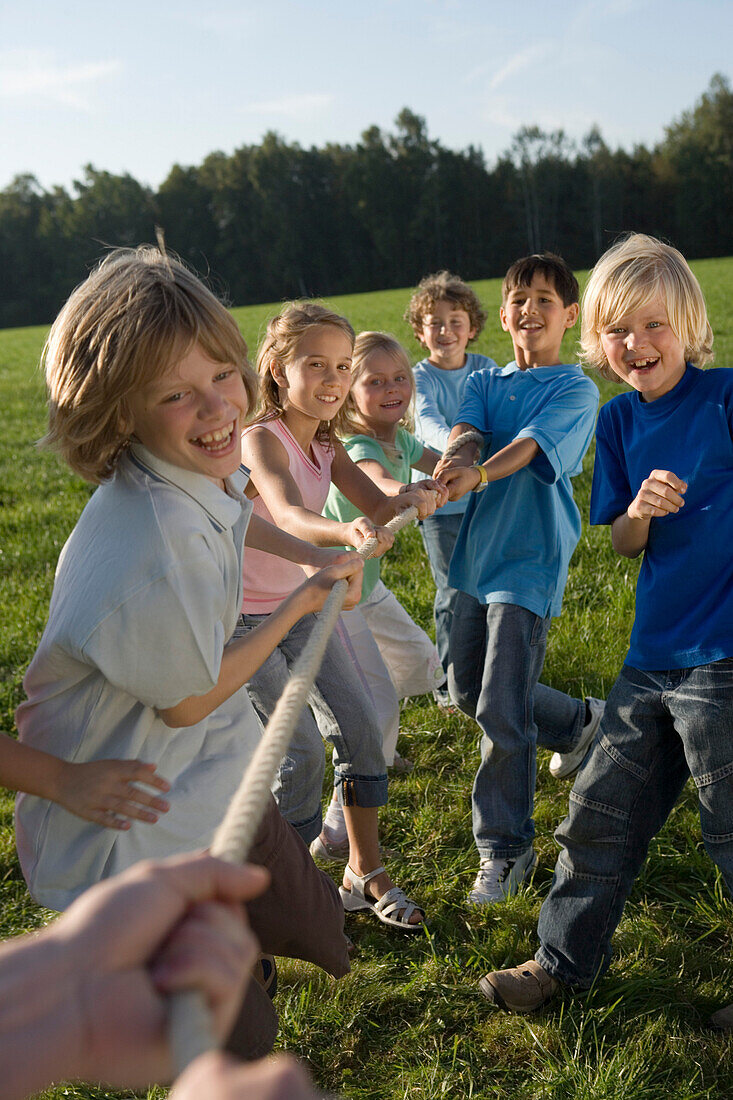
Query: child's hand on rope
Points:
[426, 494]
[460, 480]
[348, 567]
[362, 529]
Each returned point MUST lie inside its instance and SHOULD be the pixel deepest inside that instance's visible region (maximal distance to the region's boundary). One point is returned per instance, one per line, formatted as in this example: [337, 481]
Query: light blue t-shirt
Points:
[684, 595]
[519, 533]
[438, 395]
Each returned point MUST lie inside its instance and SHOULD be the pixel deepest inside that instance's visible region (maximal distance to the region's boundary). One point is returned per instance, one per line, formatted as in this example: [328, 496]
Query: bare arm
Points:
[262, 535]
[102, 791]
[464, 456]
[374, 498]
[515, 456]
[427, 461]
[245, 655]
[660, 494]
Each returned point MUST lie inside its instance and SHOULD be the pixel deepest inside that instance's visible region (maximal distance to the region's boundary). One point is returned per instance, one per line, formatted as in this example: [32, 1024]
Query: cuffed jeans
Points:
[344, 716]
[658, 729]
[497, 653]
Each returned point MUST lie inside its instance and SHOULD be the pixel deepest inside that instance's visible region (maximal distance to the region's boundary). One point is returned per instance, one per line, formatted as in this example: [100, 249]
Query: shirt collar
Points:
[542, 374]
[224, 510]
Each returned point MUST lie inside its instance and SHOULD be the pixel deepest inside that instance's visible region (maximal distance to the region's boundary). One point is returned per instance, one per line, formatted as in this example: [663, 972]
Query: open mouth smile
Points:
[642, 364]
[217, 441]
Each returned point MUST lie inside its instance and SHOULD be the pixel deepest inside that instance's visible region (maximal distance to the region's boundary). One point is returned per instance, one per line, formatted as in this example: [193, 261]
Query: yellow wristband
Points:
[483, 477]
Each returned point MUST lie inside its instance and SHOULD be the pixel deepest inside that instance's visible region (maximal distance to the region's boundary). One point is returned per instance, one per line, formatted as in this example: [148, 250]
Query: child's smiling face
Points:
[383, 390]
[314, 383]
[642, 349]
[537, 319]
[445, 332]
[192, 416]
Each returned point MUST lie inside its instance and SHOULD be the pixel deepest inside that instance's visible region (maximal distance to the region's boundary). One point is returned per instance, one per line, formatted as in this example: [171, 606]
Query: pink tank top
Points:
[268, 580]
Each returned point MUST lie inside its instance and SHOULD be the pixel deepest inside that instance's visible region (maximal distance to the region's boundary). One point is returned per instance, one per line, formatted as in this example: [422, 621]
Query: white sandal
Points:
[386, 908]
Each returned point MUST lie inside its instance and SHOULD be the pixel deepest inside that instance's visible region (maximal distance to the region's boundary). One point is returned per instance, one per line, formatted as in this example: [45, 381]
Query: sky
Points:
[138, 86]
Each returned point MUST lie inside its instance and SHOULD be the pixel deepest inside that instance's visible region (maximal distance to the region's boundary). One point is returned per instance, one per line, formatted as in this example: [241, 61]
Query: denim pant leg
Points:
[439, 534]
[344, 715]
[503, 791]
[701, 705]
[559, 718]
[298, 785]
[347, 717]
[623, 794]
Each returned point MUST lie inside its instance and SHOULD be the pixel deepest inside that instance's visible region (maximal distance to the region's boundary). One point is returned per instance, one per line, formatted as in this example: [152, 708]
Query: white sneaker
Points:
[500, 878]
[567, 763]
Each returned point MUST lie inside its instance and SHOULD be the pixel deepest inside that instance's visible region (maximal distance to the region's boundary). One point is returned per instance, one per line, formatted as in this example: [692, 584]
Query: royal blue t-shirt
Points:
[519, 533]
[684, 595]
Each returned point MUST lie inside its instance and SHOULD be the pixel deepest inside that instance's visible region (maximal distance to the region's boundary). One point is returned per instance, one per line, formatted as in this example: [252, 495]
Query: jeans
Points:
[439, 534]
[344, 715]
[658, 729]
[497, 653]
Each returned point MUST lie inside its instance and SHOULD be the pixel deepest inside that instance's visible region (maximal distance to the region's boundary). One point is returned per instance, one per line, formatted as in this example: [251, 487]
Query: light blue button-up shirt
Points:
[519, 533]
[148, 589]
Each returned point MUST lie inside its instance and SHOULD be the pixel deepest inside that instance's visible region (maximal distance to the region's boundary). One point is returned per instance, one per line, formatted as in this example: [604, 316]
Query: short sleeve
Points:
[363, 448]
[473, 407]
[563, 429]
[611, 492]
[165, 641]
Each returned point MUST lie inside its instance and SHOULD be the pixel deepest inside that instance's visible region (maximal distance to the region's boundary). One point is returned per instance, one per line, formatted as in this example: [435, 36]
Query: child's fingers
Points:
[666, 477]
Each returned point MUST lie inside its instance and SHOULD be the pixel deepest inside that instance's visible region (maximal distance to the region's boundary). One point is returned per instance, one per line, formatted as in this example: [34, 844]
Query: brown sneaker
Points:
[524, 988]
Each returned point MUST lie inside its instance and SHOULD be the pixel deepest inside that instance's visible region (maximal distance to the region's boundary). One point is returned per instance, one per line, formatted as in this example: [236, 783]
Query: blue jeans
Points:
[497, 653]
[344, 715]
[439, 534]
[658, 729]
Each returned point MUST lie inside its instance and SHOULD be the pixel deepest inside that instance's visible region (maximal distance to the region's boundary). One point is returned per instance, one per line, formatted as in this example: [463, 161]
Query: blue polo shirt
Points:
[684, 594]
[519, 533]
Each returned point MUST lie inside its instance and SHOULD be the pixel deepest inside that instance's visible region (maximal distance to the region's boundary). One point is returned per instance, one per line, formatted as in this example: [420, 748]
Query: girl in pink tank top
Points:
[305, 374]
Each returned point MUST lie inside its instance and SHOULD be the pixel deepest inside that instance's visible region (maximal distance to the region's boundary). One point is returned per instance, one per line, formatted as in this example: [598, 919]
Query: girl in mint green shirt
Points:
[394, 653]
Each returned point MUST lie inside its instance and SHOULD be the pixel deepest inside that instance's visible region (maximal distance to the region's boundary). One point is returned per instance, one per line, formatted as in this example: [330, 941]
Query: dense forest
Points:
[276, 220]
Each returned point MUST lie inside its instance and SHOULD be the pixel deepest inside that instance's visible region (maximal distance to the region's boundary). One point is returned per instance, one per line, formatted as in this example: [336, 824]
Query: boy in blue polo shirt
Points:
[512, 554]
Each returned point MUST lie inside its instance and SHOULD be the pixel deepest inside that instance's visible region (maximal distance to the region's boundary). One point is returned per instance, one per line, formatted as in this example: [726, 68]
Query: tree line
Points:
[276, 220]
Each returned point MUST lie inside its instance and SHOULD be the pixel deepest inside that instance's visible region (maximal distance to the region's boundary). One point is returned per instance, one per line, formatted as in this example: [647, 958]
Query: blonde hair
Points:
[138, 312]
[627, 277]
[443, 286]
[348, 420]
[280, 346]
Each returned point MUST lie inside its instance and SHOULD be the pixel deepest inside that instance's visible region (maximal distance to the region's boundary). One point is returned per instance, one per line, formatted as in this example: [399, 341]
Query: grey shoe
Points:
[401, 765]
[524, 988]
[500, 878]
[567, 763]
[321, 848]
[723, 1018]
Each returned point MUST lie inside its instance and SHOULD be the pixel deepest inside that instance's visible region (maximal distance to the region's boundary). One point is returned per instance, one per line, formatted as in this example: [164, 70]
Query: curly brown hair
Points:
[443, 286]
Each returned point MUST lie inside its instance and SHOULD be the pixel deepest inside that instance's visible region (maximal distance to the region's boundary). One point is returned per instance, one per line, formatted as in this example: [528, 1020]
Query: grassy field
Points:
[409, 1020]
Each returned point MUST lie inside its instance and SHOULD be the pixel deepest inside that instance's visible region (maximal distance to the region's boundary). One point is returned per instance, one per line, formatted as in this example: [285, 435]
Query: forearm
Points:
[629, 536]
[23, 768]
[40, 1035]
[262, 535]
[310, 527]
[240, 660]
[515, 456]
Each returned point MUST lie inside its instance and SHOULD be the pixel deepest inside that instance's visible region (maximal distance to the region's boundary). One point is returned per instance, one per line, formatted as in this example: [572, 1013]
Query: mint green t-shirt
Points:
[361, 448]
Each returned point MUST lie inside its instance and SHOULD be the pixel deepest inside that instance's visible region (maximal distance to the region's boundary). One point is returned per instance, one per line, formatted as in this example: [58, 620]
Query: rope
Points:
[189, 1024]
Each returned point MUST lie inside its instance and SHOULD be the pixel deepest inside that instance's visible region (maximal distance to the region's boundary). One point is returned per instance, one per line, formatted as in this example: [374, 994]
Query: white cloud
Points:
[522, 60]
[290, 106]
[33, 75]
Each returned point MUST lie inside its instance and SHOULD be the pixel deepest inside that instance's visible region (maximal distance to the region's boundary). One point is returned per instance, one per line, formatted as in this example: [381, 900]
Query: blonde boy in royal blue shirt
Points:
[511, 558]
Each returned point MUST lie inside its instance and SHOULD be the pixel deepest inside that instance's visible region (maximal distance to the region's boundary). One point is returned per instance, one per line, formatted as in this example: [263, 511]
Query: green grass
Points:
[409, 1020]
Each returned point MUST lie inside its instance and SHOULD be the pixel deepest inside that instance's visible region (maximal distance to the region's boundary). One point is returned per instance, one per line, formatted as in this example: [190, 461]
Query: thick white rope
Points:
[189, 1024]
